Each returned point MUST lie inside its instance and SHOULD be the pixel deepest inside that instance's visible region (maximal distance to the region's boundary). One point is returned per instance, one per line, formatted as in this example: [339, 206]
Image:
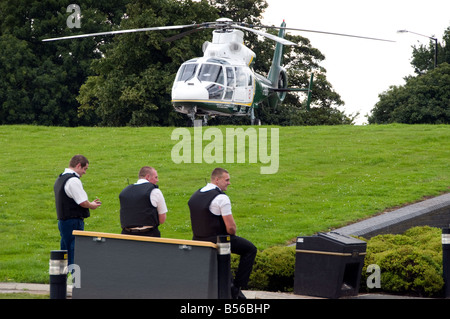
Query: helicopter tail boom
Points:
[276, 68]
[277, 74]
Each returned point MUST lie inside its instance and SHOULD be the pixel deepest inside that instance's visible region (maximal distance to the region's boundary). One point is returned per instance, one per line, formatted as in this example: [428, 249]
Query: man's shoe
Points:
[236, 293]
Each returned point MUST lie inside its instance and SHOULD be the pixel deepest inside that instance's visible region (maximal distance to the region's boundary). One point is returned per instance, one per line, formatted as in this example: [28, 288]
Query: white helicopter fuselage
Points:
[219, 83]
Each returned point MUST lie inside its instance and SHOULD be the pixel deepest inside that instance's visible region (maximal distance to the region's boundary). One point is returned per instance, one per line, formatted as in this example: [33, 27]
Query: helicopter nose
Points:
[191, 90]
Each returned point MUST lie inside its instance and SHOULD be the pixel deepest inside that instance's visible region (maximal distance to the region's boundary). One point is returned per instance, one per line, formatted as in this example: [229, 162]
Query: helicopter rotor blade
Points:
[324, 32]
[216, 24]
[267, 35]
[123, 31]
[183, 34]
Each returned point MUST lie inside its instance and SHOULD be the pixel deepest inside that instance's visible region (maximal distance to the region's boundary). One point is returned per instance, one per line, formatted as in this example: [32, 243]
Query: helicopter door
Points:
[231, 83]
[244, 85]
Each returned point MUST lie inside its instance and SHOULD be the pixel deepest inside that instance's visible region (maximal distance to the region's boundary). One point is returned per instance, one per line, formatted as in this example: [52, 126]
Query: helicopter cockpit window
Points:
[187, 72]
[211, 73]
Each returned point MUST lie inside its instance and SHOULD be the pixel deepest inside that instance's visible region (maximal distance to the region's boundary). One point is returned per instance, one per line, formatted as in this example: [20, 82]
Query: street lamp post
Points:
[432, 38]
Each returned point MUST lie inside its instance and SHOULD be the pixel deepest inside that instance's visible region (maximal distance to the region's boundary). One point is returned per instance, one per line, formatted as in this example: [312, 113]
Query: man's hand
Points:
[91, 205]
[230, 224]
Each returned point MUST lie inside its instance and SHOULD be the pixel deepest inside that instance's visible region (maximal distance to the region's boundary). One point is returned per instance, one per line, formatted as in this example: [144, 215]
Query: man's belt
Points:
[142, 229]
[72, 217]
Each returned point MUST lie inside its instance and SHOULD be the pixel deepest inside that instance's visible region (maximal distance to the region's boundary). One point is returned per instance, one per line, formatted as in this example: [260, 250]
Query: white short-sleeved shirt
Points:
[221, 204]
[156, 198]
[74, 188]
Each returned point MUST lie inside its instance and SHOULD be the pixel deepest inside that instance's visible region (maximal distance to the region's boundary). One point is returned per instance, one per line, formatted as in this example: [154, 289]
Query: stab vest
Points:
[136, 209]
[205, 225]
[66, 207]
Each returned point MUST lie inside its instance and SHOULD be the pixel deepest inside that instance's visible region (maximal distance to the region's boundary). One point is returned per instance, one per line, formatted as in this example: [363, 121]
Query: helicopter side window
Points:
[250, 80]
[230, 84]
[187, 72]
[241, 78]
[244, 85]
[211, 73]
[230, 77]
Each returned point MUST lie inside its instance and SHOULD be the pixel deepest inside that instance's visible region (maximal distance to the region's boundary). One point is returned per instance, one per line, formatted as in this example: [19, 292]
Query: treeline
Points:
[425, 97]
[127, 79]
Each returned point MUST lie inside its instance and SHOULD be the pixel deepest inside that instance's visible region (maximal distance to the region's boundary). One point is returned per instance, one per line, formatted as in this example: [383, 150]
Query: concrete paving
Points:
[41, 289]
[44, 289]
[434, 212]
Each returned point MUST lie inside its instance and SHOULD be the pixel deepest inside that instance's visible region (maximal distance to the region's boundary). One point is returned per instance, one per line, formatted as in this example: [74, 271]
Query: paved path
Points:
[433, 212]
[43, 289]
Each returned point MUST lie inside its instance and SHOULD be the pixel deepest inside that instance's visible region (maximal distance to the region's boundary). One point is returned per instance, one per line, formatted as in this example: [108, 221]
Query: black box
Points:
[328, 265]
[133, 267]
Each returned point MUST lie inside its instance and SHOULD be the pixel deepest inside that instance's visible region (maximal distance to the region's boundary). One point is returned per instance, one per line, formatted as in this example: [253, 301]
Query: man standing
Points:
[142, 205]
[211, 216]
[72, 204]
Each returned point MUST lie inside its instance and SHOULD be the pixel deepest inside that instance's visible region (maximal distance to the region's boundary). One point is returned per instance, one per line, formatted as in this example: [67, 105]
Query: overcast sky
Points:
[359, 69]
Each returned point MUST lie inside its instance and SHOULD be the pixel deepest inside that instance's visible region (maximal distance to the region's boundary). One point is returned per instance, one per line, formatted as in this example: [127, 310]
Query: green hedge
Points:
[410, 264]
[273, 269]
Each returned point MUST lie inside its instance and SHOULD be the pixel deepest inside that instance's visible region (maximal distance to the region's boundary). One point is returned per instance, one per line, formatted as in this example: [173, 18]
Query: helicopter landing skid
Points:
[192, 115]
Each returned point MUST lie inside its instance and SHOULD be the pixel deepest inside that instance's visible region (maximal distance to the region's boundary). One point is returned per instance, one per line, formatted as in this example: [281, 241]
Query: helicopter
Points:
[223, 82]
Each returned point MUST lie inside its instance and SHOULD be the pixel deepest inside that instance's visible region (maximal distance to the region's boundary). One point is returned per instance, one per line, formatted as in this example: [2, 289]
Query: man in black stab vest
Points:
[72, 204]
[142, 205]
[211, 216]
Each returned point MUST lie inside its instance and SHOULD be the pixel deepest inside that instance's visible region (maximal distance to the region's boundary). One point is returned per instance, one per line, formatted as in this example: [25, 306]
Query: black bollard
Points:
[58, 274]
[224, 267]
[446, 260]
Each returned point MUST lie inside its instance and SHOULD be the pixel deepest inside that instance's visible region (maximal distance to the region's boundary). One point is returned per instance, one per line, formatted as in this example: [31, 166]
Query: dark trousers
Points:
[247, 252]
[66, 227]
[152, 232]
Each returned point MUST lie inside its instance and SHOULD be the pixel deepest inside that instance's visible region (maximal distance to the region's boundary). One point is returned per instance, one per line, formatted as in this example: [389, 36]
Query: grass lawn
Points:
[328, 176]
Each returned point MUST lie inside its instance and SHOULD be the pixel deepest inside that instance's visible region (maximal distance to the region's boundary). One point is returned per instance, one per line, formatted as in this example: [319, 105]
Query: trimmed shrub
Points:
[410, 263]
[273, 269]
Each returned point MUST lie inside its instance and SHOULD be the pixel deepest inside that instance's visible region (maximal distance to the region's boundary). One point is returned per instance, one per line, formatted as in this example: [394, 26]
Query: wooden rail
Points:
[145, 238]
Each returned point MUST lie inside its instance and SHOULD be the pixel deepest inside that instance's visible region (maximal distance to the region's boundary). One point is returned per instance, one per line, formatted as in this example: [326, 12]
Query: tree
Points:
[16, 80]
[40, 81]
[247, 11]
[423, 57]
[424, 99]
